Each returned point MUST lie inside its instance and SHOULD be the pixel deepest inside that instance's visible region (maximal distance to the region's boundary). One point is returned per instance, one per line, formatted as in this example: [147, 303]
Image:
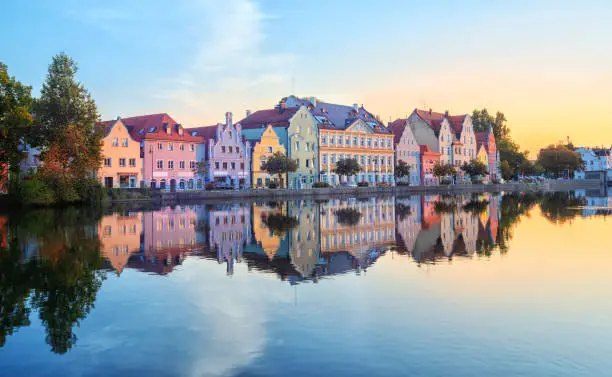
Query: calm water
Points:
[503, 285]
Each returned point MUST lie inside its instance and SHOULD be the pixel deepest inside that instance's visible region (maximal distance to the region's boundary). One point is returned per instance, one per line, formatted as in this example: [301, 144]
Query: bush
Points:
[363, 184]
[445, 181]
[90, 191]
[272, 185]
[36, 192]
[321, 185]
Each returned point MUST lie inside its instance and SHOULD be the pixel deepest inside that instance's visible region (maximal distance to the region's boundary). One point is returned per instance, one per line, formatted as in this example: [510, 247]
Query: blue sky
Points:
[544, 63]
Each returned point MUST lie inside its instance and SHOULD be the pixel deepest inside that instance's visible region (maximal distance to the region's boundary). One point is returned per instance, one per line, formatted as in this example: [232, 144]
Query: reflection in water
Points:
[53, 262]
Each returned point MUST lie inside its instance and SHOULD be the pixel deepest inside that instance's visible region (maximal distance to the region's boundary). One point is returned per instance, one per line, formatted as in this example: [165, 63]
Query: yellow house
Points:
[483, 155]
[119, 238]
[264, 147]
[122, 165]
[269, 242]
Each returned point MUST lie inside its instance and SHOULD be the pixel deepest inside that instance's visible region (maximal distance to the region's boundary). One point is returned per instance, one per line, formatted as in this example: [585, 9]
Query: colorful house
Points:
[483, 155]
[168, 152]
[121, 165]
[441, 140]
[350, 132]
[595, 159]
[297, 131]
[227, 152]
[265, 144]
[407, 148]
[229, 232]
[487, 141]
[120, 236]
[429, 159]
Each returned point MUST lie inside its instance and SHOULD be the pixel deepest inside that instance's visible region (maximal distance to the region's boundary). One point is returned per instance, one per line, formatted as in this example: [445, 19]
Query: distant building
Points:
[595, 160]
[428, 159]
[264, 146]
[486, 142]
[407, 148]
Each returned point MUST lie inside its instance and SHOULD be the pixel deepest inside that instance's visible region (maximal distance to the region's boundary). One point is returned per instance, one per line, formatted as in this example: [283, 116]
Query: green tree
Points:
[441, 170]
[15, 121]
[66, 116]
[348, 216]
[347, 167]
[402, 169]
[279, 225]
[279, 164]
[474, 168]
[201, 170]
[555, 159]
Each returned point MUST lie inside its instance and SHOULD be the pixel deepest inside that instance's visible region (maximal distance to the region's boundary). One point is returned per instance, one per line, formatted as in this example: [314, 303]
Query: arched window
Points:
[190, 185]
[153, 184]
[181, 184]
[162, 184]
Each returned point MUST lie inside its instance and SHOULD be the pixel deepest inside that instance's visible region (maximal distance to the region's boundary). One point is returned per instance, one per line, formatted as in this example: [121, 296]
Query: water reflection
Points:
[53, 262]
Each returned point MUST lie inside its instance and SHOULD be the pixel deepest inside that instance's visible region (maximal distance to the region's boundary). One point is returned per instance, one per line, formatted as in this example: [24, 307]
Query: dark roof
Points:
[397, 127]
[206, 132]
[153, 126]
[434, 120]
[482, 138]
[277, 117]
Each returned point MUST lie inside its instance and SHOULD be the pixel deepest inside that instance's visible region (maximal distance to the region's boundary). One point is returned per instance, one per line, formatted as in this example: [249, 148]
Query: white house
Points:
[595, 159]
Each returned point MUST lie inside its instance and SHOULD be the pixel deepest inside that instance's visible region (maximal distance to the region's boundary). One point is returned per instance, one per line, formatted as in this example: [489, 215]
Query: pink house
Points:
[167, 151]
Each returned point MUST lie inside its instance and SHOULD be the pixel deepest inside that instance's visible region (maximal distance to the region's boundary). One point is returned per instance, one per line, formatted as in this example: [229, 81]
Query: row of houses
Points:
[595, 160]
[156, 151]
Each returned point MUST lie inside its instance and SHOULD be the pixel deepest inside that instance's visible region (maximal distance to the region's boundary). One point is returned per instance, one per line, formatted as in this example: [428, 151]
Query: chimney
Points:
[430, 111]
[356, 107]
[446, 113]
[313, 100]
[248, 113]
[228, 118]
[283, 106]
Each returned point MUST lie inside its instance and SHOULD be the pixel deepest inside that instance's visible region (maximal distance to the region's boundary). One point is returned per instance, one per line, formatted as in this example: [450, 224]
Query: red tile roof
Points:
[153, 127]
[275, 117]
[425, 149]
[206, 132]
[482, 138]
[434, 120]
[397, 127]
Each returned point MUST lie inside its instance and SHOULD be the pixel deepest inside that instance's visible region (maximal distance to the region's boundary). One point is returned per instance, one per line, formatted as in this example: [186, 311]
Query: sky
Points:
[546, 64]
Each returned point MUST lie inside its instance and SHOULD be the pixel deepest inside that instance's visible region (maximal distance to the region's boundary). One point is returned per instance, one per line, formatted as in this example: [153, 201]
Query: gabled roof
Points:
[277, 117]
[435, 119]
[206, 132]
[482, 138]
[397, 127]
[423, 148]
[153, 126]
[335, 116]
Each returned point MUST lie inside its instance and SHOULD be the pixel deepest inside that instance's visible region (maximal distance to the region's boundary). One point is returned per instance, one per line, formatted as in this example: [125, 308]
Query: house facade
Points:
[407, 149]
[168, 153]
[264, 146]
[486, 140]
[595, 159]
[297, 131]
[442, 138]
[121, 162]
[429, 158]
[350, 132]
[227, 152]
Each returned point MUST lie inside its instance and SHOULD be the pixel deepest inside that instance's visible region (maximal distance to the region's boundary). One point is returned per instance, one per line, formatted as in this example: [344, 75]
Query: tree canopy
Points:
[279, 164]
[402, 169]
[444, 170]
[347, 167]
[474, 168]
[555, 159]
[15, 119]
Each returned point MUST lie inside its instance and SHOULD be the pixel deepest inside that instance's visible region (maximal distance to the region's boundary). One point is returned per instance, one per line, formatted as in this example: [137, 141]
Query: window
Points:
[223, 149]
[340, 140]
[369, 142]
[325, 158]
[170, 164]
[231, 149]
[233, 165]
[192, 164]
[242, 165]
[191, 147]
[297, 162]
[160, 164]
[376, 142]
[115, 142]
[332, 140]
[160, 146]
[307, 147]
[363, 142]
[225, 165]
[269, 149]
[181, 164]
[122, 162]
[124, 142]
[108, 162]
[237, 150]
[132, 162]
[170, 146]
[333, 158]
[216, 165]
[323, 139]
[297, 146]
[182, 147]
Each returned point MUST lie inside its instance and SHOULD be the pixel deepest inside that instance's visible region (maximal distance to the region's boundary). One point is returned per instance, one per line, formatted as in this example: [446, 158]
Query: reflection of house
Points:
[304, 242]
[119, 237]
[121, 162]
[408, 225]
[229, 231]
[375, 227]
[263, 236]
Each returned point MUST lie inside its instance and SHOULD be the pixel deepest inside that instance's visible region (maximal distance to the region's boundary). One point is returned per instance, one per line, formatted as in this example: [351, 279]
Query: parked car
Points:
[220, 185]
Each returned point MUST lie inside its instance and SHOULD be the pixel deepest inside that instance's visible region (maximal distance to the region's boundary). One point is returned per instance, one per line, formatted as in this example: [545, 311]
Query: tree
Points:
[66, 116]
[444, 170]
[279, 225]
[201, 170]
[348, 216]
[474, 168]
[279, 164]
[482, 120]
[555, 159]
[347, 167]
[15, 121]
[402, 169]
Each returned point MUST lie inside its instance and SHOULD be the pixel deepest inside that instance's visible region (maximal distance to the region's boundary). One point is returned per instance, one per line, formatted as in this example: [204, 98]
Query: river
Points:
[436, 285]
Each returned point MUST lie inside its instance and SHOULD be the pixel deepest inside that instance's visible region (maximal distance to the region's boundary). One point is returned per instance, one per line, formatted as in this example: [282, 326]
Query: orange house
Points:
[122, 165]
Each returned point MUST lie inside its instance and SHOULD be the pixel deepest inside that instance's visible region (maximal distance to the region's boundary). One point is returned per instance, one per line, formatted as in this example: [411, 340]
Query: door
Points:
[108, 182]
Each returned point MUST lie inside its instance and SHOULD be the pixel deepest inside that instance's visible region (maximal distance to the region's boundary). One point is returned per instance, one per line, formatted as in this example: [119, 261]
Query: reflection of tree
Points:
[62, 281]
[280, 224]
[402, 211]
[445, 206]
[348, 216]
[512, 208]
[476, 206]
[559, 207]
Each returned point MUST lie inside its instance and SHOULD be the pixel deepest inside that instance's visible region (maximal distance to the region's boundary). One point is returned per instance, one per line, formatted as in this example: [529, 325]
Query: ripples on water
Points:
[131, 291]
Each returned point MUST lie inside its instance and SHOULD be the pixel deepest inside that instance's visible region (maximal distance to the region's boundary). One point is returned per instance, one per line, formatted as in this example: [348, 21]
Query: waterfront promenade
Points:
[547, 186]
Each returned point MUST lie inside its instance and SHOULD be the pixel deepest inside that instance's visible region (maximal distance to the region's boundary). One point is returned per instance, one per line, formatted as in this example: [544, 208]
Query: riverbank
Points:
[548, 186]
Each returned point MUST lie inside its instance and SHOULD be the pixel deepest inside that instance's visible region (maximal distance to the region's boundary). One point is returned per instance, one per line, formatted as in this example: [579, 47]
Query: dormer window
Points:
[168, 130]
[180, 130]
